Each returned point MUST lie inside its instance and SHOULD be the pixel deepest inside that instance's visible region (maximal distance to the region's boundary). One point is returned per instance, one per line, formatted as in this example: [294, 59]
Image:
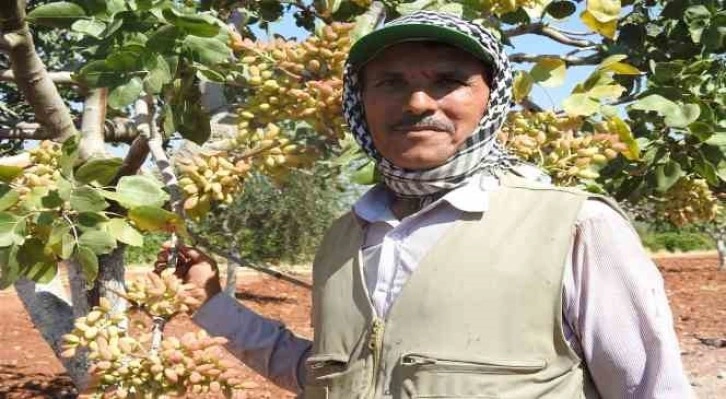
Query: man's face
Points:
[422, 101]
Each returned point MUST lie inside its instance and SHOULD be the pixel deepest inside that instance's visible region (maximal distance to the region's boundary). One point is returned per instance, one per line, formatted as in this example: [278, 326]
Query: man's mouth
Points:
[405, 129]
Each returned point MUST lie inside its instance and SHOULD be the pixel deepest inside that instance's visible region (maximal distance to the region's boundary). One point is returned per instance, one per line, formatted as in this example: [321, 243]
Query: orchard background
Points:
[125, 120]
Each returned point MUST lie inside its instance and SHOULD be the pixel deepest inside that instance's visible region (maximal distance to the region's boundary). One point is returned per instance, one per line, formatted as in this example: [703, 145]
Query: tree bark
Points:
[92, 132]
[30, 74]
[52, 314]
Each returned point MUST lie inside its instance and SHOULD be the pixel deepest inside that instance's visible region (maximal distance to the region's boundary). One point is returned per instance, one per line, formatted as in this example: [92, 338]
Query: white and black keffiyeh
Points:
[480, 152]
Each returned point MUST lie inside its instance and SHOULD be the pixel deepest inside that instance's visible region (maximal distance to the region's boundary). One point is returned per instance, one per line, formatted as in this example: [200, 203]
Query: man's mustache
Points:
[409, 122]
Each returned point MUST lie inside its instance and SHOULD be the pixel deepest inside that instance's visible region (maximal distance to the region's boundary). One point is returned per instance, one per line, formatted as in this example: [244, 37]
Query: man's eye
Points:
[451, 82]
[387, 83]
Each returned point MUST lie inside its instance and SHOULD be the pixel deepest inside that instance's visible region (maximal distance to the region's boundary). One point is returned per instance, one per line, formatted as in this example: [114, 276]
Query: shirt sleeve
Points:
[264, 345]
[615, 305]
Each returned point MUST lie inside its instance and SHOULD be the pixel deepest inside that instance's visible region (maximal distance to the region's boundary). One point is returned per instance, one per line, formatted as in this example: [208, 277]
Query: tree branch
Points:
[92, 125]
[542, 29]
[593, 59]
[118, 130]
[59, 77]
[30, 74]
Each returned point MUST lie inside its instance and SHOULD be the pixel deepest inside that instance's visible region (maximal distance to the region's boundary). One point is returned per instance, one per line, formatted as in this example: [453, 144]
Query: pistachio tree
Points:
[647, 126]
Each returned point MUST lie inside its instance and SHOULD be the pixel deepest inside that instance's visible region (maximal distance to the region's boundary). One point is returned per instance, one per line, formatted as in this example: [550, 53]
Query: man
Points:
[461, 275]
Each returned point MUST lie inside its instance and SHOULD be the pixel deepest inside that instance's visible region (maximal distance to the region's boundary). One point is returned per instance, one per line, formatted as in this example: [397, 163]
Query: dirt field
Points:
[696, 289]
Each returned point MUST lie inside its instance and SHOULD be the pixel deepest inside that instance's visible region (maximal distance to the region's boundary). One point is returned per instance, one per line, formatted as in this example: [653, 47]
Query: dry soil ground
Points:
[696, 289]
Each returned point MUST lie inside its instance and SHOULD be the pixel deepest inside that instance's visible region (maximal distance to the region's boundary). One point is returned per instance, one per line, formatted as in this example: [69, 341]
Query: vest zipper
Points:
[375, 345]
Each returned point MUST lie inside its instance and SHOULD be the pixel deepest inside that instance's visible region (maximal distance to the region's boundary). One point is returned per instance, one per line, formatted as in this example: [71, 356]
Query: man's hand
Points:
[192, 267]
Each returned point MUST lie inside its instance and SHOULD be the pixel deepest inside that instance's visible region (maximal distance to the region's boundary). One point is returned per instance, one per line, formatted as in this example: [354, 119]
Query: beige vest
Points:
[480, 318]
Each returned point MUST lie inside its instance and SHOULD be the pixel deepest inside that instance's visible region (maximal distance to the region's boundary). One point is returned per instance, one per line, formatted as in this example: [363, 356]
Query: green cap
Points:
[370, 45]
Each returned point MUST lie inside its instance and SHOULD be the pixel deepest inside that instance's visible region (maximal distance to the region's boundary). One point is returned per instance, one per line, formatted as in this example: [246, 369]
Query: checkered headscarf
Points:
[480, 152]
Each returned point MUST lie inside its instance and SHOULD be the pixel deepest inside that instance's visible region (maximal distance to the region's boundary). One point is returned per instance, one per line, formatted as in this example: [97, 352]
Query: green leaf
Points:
[366, 174]
[560, 9]
[606, 92]
[88, 261]
[98, 241]
[46, 218]
[125, 59]
[417, 5]
[52, 200]
[98, 171]
[148, 218]
[64, 188]
[33, 201]
[549, 72]
[697, 18]
[35, 263]
[125, 94]
[701, 130]
[606, 29]
[91, 219]
[675, 115]
[60, 240]
[87, 199]
[134, 191]
[192, 122]
[718, 140]
[666, 175]
[68, 244]
[9, 267]
[522, 86]
[89, 27]
[8, 197]
[626, 136]
[8, 173]
[159, 73]
[125, 233]
[59, 14]
[604, 10]
[98, 74]
[164, 39]
[206, 50]
[12, 230]
[69, 155]
[580, 104]
[195, 24]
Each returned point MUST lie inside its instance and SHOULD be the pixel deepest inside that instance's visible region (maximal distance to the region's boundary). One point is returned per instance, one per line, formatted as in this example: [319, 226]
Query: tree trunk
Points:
[721, 246]
[51, 313]
[30, 74]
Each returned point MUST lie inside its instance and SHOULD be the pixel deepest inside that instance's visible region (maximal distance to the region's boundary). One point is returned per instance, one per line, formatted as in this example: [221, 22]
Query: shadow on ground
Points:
[20, 385]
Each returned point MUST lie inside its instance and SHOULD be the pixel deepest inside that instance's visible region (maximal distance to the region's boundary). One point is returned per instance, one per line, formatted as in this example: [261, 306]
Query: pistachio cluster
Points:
[558, 144]
[208, 177]
[162, 295]
[689, 200]
[268, 152]
[43, 171]
[297, 81]
[125, 367]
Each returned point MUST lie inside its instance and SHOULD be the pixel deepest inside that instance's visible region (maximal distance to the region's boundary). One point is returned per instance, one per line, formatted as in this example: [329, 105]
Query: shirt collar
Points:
[472, 196]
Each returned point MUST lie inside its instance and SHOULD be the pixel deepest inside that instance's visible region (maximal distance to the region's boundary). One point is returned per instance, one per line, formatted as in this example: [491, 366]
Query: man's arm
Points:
[264, 345]
[616, 305]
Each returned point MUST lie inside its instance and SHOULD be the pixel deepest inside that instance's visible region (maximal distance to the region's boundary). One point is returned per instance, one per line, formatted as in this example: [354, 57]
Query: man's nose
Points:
[420, 102]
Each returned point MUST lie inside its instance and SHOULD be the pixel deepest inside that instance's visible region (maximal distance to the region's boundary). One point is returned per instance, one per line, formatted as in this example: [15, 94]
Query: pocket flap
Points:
[472, 363]
[327, 359]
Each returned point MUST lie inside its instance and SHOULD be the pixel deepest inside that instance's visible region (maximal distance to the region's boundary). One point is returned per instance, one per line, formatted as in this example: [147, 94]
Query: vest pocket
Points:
[332, 375]
[432, 376]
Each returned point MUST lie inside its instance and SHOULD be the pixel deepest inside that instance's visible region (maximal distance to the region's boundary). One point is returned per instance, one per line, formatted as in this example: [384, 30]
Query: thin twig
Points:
[569, 60]
[244, 263]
